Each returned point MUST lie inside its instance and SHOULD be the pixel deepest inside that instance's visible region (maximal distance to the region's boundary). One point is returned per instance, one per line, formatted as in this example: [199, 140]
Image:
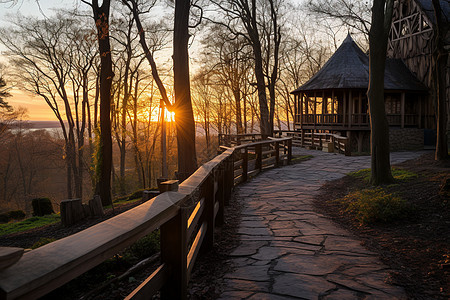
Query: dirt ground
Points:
[417, 249]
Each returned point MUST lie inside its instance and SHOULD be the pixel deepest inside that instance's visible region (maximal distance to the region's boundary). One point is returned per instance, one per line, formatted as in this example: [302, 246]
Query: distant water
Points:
[44, 124]
[30, 126]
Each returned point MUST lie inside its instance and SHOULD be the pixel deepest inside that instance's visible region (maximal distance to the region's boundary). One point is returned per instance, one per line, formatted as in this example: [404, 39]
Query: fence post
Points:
[219, 175]
[258, 151]
[347, 145]
[289, 145]
[277, 154]
[228, 178]
[174, 254]
[245, 165]
[302, 138]
[208, 214]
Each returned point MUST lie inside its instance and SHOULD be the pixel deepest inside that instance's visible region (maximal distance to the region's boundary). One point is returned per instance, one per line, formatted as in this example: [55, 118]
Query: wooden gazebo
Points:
[334, 100]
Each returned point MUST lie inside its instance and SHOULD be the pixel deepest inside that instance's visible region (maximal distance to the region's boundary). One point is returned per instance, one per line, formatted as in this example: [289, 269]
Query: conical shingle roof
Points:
[348, 68]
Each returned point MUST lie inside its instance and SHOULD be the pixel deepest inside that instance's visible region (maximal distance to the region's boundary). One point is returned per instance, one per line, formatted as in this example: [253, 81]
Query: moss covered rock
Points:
[42, 207]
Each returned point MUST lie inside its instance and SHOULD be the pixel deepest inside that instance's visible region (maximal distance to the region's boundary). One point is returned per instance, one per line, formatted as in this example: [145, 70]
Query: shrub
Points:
[42, 207]
[5, 218]
[375, 205]
[136, 195]
[146, 246]
[42, 242]
[17, 214]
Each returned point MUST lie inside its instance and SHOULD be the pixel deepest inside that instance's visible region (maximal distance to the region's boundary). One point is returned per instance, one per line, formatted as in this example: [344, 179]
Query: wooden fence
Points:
[186, 219]
[231, 140]
[321, 141]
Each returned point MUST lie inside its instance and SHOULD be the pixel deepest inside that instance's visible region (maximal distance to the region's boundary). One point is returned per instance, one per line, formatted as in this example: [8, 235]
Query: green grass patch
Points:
[30, 223]
[124, 201]
[397, 173]
[42, 242]
[370, 206]
[300, 158]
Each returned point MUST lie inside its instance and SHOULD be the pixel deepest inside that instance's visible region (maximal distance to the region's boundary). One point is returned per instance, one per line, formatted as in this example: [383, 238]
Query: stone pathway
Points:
[288, 251]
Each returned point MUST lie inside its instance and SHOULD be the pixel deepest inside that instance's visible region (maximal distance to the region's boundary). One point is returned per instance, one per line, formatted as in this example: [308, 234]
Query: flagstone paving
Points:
[289, 251]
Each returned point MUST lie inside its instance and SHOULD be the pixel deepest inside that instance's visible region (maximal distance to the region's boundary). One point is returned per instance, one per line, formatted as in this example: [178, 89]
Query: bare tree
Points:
[202, 88]
[187, 159]
[50, 65]
[248, 18]
[303, 53]
[4, 90]
[184, 115]
[104, 153]
[227, 59]
[353, 14]
[378, 38]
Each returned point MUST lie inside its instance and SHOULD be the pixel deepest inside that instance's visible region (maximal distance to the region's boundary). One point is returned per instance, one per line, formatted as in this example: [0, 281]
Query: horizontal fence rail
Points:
[186, 220]
[323, 141]
[231, 140]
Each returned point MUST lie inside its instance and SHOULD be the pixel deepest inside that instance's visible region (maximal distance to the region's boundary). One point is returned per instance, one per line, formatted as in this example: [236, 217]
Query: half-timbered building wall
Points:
[411, 39]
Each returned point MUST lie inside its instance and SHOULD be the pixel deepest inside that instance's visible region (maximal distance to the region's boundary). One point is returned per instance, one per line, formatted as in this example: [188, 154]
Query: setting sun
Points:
[169, 116]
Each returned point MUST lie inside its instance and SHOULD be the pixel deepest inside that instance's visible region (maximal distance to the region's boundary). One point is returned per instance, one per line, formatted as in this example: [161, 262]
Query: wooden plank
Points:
[238, 172]
[174, 251]
[208, 215]
[48, 267]
[268, 167]
[258, 149]
[245, 165]
[238, 163]
[264, 153]
[220, 196]
[254, 172]
[238, 180]
[151, 285]
[269, 161]
[195, 216]
[277, 153]
[262, 142]
[9, 256]
[193, 252]
[168, 186]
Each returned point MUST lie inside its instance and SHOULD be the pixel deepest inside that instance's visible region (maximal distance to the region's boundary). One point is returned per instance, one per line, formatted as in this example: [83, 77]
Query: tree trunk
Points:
[237, 100]
[187, 160]
[274, 74]
[101, 17]
[261, 87]
[440, 73]
[381, 167]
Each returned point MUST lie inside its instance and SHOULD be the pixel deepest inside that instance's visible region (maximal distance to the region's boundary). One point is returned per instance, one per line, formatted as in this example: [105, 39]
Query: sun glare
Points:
[169, 116]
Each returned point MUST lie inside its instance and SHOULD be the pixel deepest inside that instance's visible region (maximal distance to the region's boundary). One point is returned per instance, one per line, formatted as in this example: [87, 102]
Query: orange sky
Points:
[38, 110]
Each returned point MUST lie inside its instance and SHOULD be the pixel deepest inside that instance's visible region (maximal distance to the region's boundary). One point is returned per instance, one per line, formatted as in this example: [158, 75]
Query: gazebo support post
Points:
[402, 109]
